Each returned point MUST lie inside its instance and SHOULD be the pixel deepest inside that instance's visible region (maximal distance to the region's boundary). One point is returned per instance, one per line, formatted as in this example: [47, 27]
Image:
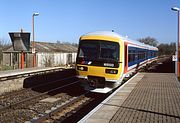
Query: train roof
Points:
[116, 35]
[103, 33]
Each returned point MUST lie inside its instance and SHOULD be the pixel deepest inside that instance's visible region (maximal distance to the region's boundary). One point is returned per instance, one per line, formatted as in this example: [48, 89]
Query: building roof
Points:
[49, 47]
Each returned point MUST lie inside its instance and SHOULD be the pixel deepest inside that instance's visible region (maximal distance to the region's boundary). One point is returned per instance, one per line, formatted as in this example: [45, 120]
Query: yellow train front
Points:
[99, 63]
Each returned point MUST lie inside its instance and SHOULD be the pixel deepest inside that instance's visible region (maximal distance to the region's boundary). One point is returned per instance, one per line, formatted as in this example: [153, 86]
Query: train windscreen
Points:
[99, 50]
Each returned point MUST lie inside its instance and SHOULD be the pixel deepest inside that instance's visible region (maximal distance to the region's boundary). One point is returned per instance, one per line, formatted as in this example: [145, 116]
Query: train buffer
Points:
[145, 98]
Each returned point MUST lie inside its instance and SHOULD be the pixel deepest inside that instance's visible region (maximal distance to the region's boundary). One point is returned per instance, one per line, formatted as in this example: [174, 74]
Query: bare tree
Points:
[149, 40]
[3, 44]
[167, 49]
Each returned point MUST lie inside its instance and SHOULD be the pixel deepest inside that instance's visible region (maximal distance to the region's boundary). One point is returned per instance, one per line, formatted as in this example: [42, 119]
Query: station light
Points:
[175, 8]
[177, 65]
[36, 14]
[33, 41]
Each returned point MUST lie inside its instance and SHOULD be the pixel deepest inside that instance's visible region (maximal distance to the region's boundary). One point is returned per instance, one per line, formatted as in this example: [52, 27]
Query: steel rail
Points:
[34, 97]
[29, 89]
[59, 109]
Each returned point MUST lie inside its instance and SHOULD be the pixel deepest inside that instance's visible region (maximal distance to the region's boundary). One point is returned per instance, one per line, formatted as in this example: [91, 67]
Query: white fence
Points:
[55, 59]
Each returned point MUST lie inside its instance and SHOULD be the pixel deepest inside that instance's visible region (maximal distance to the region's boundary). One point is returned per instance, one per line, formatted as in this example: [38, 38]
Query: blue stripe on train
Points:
[135, 62]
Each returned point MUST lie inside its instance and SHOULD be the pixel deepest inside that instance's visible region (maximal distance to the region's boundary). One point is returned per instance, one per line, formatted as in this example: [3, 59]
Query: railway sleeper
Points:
[64, 110]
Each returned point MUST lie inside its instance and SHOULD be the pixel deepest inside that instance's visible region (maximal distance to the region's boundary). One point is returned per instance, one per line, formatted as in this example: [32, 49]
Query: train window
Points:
[92, 49]
[136, 54]
[146, 54]
[156, 53]
[141, 55]
[152, 53]
[109, 50]
[88, 49]
[131, 55]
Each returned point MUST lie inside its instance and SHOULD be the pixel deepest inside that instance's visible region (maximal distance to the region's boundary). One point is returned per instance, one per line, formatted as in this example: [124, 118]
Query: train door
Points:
[125, 57]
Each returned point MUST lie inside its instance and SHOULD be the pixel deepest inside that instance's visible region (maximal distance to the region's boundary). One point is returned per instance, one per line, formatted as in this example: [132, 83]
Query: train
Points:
[105, 58]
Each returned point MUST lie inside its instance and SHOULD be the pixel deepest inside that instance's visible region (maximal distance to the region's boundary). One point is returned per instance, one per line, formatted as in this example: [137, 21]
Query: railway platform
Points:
[145, 98]
[8, 74]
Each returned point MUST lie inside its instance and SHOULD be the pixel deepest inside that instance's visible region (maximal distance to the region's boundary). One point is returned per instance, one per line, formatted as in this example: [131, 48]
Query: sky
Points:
[67, 20]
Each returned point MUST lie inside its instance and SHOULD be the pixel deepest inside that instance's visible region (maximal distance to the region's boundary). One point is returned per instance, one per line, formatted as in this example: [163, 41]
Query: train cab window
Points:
[99, 50]
[109, 50]
[88, 49]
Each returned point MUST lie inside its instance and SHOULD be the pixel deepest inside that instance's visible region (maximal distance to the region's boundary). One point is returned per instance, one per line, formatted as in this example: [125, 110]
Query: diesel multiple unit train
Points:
[104, 58]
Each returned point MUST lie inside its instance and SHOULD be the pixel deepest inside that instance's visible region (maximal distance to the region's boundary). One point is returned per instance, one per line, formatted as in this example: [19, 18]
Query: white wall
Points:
[56, 59]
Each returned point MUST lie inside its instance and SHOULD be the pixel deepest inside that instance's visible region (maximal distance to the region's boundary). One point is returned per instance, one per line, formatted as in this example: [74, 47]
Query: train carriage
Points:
[105, 58]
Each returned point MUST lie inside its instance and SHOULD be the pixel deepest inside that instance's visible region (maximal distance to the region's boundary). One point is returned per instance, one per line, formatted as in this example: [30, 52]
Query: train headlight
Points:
[111, 71]
[82, 68]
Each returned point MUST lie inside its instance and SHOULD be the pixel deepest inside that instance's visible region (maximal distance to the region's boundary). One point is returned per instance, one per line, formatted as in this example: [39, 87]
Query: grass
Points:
[4, 67]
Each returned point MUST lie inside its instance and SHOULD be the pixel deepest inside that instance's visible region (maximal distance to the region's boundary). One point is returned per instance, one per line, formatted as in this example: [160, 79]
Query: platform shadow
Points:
[36, 80]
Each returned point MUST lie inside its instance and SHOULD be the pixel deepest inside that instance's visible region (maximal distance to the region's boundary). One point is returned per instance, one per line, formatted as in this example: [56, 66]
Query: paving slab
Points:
[146, 98]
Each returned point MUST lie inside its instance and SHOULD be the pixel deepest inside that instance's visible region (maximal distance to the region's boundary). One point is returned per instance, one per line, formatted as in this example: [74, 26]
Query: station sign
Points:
[174, 58]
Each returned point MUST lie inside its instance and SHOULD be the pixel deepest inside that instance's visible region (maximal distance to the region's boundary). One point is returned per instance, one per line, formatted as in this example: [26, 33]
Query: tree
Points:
[67, 43]
[149, 40]
[3, 44]
[167, 49]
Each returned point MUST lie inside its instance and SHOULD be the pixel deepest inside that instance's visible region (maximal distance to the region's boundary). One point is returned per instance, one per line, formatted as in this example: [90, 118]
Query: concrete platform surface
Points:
[25, 71]
[146, 98]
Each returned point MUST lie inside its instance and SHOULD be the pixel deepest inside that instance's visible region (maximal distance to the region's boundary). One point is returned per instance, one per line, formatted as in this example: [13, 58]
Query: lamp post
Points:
[177, 45]
[33, 41]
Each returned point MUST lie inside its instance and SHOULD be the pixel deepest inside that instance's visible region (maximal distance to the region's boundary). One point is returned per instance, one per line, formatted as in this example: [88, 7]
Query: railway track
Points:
[26, 104]
[12, 98]
[63, 111]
